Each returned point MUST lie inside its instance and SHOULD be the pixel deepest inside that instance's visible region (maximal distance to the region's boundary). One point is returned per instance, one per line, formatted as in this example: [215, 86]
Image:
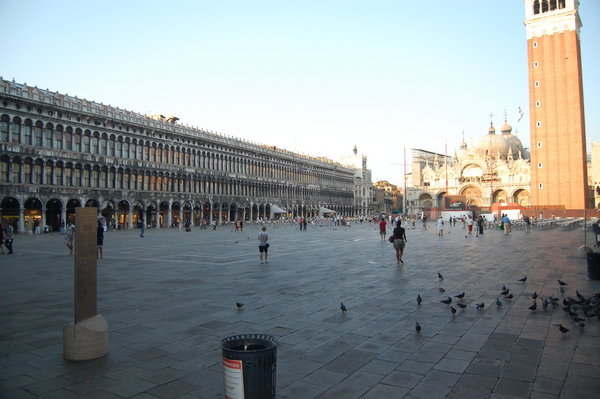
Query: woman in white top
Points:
[440, 226]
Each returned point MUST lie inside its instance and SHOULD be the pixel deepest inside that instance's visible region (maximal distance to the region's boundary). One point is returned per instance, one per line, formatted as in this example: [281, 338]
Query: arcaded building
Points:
[59, 152]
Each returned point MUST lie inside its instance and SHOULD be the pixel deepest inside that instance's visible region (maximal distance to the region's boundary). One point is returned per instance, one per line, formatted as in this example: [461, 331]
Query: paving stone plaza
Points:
[169, 298]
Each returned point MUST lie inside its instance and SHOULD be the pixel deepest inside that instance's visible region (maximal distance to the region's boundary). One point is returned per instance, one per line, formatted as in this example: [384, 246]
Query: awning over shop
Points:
[324, 211]
[275, 209]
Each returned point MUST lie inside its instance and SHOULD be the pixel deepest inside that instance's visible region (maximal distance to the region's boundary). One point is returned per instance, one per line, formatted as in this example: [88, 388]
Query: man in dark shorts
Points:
[263, 245]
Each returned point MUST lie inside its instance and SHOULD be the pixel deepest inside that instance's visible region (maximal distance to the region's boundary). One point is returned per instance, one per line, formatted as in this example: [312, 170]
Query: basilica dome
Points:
[492, 144]
[513, 142]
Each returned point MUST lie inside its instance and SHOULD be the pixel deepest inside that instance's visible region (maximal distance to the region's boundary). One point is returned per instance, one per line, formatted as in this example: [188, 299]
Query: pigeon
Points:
[498, 302]
[461, 305]
[441, 289]
[533, 307]
[504, 287]
[523, 279]
[239, 305]
[343, 307]
[509, 296]
[419, 299]
[460, 296]
[440, 276]
[452, 310]
[561, 282]
[545, 304]
[534, 295]
[562, 329]
[480, 306]
[447, 301]
[581, 324]
[417, 327]
[581, 297]
[504, 292]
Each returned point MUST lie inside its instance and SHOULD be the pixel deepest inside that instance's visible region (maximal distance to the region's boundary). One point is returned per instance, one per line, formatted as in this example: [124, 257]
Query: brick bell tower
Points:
[557, 124]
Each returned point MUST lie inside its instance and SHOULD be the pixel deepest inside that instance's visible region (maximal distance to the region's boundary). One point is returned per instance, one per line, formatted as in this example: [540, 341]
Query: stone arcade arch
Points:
[163, 216]
[521, 197]
[124, 215]
[54, 214]
[9, 212]
[71, 205]
[254, 212]
[439, 200]
[198, 214]
[233, 212]
[500, 196]
[138, 213]
[175, 213]
[108, 212]
[91, 203]
[33, 212]
[186, 213]
[425, 200]
[473, 195]
[151, 215]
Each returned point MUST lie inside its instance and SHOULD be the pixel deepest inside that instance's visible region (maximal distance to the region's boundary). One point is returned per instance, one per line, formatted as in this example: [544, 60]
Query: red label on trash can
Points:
[234, 379]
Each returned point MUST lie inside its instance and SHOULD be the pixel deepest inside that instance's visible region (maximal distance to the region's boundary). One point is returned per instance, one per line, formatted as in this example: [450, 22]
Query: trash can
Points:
[593, 264]
[249, 364]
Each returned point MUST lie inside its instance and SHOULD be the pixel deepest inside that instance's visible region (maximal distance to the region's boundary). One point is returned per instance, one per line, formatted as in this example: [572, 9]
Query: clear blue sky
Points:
[317, 77]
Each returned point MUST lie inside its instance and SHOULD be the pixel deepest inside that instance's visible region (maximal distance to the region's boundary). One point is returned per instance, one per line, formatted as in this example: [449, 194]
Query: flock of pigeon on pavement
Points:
[588, 306]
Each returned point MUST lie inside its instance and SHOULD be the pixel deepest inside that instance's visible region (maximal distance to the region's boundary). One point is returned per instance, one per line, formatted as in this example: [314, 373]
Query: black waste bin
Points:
[249, 363]
[593, 264]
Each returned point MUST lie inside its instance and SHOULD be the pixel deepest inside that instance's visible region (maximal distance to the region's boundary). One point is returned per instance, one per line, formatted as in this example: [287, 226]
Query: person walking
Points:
[399, 241]
[70, 237]
[478, 226]
[8, 237]
[263, 245]
[382, 229]
[506, 224]
[440, 226]
[470, 224]
[99, 238]
[527, 224]
[142, 227]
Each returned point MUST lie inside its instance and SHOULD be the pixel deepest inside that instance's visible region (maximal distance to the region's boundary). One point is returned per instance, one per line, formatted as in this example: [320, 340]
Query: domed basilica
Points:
[495, 170]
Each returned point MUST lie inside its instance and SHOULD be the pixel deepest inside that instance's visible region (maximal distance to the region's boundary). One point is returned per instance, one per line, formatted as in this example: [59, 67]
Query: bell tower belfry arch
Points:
[557, 124]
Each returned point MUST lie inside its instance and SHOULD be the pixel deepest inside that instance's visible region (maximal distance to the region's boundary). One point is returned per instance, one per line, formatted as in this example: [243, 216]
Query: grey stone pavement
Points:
[169, 299]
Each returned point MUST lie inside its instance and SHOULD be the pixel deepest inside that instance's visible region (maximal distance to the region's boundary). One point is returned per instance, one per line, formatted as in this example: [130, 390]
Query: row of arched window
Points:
[547, 5]
[40, 172]
[48, 135]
